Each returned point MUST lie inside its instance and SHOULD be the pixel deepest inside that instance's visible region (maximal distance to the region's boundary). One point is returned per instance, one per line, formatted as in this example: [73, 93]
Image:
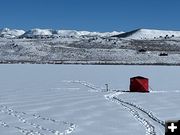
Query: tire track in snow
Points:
[21, 117]
[143, 116]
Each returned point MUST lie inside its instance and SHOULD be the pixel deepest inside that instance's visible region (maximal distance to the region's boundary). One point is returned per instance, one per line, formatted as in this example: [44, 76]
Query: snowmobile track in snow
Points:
[146, 118]
[143, 110]
[23, 118]
[86, 84]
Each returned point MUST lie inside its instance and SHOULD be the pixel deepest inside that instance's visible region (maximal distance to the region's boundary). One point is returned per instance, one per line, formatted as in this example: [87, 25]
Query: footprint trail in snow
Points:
[37, 123]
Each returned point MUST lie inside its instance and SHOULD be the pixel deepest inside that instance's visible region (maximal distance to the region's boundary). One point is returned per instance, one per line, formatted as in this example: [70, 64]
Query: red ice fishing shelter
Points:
[139, 84]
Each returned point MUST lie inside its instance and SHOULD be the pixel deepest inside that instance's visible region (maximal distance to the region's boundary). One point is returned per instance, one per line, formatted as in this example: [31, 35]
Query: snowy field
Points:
[68, 99]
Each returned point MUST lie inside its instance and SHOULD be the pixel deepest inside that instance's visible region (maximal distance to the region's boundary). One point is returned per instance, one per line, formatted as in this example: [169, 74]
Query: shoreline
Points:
[80, 62]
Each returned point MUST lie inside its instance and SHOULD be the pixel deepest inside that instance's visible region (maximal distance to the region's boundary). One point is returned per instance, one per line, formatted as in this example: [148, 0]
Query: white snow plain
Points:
[69, 99]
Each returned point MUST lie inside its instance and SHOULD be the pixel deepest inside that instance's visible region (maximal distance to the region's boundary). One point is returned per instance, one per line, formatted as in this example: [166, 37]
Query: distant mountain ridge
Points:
[138, 34]
[34, 33]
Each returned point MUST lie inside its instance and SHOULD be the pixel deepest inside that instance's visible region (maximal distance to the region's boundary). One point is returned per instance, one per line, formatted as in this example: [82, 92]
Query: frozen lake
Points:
[40, 100]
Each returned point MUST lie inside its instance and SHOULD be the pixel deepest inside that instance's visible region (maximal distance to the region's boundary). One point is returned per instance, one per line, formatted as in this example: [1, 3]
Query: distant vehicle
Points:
[163, 54]
[142, 50]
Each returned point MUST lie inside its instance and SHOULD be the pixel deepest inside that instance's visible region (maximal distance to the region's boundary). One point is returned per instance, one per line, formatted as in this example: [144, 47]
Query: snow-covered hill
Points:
[36, 33]
[11, 33]
[64, 33]
[40, 33]
[33, 33]
[149, 34]
[85, 33]
[84, 47]
[139, 34]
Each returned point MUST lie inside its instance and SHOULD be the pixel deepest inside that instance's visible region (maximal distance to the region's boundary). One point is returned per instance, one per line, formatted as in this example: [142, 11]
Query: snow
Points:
[65, 33]
[135, 34]
[69, 99]
[88, 50]
[83, 47]
[37, 32]
[75, 33]
[11, 33]
[150, 34]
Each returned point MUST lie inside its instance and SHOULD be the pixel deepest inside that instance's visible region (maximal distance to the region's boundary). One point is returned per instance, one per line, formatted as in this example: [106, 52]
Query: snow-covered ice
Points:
[67, 99]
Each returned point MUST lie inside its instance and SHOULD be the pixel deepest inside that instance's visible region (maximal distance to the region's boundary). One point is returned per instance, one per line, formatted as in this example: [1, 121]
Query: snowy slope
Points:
[38, 32]
[75, 33]
[64, 33]
[135, 34]
[149, 34]
[87, 50]
[11, 33]
[71, 46]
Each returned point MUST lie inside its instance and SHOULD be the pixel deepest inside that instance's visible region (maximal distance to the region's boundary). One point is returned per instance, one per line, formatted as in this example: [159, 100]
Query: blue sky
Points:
[92, 15]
